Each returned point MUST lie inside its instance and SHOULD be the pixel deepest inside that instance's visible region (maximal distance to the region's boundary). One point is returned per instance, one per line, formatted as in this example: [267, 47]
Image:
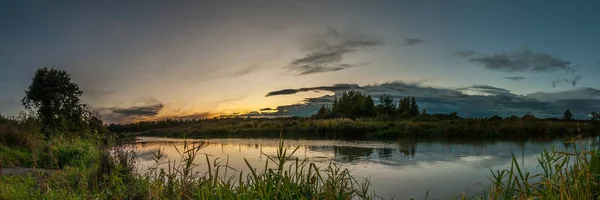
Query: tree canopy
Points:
[568, 116]
[55, 98]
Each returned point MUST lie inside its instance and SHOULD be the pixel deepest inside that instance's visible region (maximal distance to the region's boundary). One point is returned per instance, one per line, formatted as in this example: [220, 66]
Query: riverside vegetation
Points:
[74, 156]
[355, 116]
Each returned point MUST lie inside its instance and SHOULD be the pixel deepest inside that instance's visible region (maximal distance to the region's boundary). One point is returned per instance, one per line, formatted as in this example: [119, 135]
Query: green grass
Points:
[89, 171]
[573, 173]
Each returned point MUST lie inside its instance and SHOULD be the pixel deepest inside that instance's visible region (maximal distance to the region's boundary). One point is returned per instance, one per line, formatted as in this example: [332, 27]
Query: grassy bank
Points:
[91, 166]
[372, 129]
[573, 173]
[88, 166]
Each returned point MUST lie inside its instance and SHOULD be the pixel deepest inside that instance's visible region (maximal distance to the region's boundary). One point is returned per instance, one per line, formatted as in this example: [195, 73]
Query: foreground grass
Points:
[112, 175]
[573, 173]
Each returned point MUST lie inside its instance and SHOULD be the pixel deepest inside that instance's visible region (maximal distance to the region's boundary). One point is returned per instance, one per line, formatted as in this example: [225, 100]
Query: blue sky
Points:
[209, 58]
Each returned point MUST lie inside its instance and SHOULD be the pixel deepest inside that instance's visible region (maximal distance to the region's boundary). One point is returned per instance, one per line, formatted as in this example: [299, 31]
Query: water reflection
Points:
[401, 169]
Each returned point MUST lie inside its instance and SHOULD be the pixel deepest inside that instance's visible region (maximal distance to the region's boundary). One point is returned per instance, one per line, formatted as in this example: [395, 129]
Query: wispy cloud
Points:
[326, 53]
[523, 60]
[573, 80]
[325, 88]
[515, 78]
[464, 53]
[412, 41]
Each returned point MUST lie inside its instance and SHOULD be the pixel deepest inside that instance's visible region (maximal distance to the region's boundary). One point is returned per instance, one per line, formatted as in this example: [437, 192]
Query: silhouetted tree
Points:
[354, 104]
[414, 108]
[386, 106]
[496, 118]
[568, 116]
[55, 99]
[528, 117]
[324, 112]
[404, 107]
[595, 116]
[424, 112]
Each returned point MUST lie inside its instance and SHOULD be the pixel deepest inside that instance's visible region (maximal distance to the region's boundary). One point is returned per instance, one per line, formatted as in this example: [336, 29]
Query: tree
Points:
[354, 104]
[414, 108]
[386, 105]
[495, 118]
[595, 116]
[323, 112]
[424, 112]
[56, 101]
[404, 107]
[568, 116]
[528, 117]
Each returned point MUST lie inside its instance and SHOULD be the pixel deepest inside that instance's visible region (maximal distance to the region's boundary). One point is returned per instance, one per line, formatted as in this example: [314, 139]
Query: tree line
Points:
[354, 104]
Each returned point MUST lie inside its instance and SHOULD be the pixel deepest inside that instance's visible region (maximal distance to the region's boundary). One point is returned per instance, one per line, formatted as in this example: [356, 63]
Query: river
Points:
[397, 169]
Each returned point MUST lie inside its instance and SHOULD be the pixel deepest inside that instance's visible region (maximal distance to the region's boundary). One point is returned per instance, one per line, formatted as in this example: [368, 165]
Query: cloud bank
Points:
[473, 101]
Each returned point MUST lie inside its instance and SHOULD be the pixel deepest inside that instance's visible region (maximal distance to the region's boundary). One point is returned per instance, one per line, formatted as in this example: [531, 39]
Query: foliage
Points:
[112, 175]
[568, 116]
[386, 106]
[566, 174]
[56, 100]
[353, 104]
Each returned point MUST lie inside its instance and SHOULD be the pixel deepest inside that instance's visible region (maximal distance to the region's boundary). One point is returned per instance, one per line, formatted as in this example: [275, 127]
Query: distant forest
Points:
[350, 105]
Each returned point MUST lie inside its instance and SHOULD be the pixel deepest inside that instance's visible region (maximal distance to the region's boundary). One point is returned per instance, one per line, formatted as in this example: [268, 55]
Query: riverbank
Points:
[372, 129]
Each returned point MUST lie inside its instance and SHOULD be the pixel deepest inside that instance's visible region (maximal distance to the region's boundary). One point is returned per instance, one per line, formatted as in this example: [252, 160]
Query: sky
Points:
[145, 60]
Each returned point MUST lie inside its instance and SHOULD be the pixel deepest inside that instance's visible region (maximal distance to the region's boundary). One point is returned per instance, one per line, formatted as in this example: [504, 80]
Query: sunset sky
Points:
[139, 60]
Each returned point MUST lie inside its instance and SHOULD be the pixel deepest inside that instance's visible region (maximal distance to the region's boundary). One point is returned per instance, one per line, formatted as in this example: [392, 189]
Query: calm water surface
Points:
[398, 169]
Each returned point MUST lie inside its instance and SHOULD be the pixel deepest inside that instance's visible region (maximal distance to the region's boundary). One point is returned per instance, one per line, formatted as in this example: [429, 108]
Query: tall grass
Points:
[572, 173]
[282, 177]
[112, 174]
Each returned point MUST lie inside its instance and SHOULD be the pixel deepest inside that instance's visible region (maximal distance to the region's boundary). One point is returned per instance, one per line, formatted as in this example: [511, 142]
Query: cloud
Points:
[325, 88]
[148, 110]
[523, 61]
[326, 52]
[472, 101]
[486, 90]
[412, 41]
[266, 109]
[515, 78]
[201, 115]
[464, 53]
[573, 81]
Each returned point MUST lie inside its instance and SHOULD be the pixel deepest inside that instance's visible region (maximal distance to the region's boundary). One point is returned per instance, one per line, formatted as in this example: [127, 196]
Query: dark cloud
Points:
[515, 78]
[149, 109]
[325, 88]
[484, 102]
[523, 61]
[464, 53]
[327, 52]
[573, 80]
[201, 115]
[412, 41]
[266, 109]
